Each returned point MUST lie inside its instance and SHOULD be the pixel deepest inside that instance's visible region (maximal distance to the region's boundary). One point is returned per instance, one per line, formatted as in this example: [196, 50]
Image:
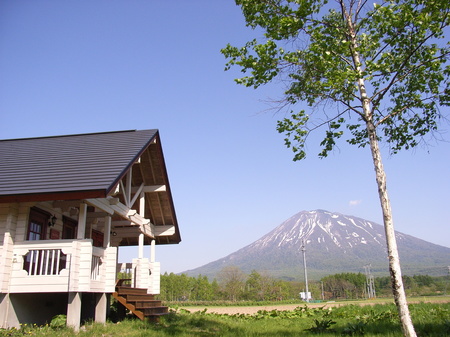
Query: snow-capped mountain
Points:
[334, 243]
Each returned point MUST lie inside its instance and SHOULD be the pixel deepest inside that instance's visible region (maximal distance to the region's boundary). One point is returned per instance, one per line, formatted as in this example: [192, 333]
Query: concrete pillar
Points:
[8, 315]
[101, 307]
[4, 309]
[74, 311]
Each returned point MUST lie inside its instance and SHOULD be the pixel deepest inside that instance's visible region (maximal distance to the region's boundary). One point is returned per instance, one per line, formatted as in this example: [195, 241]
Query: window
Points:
[42, 261]
[37, 224]
[97, 238]
[69, 228]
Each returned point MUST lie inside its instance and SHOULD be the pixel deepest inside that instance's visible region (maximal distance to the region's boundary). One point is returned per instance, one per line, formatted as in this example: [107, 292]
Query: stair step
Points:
[143, 305]
[131, 291]
[146, 297]
[155, 311]
[140, 300]
[157, 315]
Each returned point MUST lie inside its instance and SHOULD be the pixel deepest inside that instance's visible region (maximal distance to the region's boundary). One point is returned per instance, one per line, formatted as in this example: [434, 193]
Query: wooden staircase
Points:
[141, 304]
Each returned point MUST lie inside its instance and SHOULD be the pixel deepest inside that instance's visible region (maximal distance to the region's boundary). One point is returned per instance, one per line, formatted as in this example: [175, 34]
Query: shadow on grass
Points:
[196, 325]
[433, 329]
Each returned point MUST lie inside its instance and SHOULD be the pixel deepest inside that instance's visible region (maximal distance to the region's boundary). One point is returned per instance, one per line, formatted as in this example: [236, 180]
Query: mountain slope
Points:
[334, 243]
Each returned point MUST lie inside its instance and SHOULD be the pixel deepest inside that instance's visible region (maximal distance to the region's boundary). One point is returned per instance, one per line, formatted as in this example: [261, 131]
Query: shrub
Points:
[322, 326]
[58, 322]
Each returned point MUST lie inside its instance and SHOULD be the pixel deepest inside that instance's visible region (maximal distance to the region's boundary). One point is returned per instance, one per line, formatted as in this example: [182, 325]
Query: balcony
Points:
[62, 266]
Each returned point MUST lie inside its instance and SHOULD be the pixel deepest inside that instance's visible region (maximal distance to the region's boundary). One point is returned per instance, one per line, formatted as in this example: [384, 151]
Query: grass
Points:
[430, 319]
[379, 300]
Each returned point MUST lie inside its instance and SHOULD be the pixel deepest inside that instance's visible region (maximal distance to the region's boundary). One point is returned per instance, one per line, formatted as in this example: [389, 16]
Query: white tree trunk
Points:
[394, 261]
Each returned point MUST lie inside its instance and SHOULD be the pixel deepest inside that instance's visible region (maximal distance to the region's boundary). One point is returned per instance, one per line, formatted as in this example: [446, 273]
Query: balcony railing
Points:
[61, 266]
[95, 268]
[44, 262]
[142, 274]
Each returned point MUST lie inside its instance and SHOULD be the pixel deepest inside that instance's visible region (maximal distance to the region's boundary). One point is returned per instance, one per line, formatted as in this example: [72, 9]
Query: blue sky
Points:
[90, 66]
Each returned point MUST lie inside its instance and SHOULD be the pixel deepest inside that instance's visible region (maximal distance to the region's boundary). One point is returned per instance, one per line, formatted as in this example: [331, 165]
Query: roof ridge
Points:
[76, 134]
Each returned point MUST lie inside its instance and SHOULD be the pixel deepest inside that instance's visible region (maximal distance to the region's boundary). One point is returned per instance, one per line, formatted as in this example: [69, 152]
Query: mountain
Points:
[334, 243]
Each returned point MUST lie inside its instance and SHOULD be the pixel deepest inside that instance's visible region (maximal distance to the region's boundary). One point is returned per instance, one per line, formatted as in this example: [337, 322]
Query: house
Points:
[66, 204]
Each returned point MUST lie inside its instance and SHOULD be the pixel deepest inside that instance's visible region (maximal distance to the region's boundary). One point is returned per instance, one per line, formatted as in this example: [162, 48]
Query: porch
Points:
[62, 266]
[75, 266]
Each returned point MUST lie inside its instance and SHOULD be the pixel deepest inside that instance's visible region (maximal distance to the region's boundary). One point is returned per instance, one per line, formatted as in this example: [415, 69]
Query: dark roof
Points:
[91, 163]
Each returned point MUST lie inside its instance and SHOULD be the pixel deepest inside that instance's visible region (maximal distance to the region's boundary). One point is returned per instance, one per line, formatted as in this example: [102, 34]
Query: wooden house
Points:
[66, 204]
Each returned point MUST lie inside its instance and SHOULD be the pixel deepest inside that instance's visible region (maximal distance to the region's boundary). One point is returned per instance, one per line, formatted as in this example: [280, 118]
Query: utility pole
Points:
[304, 267]
[370, 282]
[323, 295]
[448, 279]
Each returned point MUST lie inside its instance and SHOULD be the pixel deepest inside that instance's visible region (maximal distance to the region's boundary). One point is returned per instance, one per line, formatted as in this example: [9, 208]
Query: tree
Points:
[203, 290]
[348, 285]
[232, 281]
[253, 286]
[262, 287]
[381, 68]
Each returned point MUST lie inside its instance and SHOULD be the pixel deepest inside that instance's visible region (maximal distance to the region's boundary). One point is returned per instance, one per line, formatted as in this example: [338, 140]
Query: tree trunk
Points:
[394, 261]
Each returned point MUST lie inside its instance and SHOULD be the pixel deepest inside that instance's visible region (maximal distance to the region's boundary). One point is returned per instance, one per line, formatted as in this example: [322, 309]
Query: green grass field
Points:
[430, 319]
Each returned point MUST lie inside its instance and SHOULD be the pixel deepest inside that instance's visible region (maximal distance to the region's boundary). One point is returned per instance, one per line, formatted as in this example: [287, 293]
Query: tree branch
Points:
[406, 107]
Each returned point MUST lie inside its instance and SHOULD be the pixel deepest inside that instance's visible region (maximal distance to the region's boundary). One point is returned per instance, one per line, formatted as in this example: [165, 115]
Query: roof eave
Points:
[131, 163]
[67, 195]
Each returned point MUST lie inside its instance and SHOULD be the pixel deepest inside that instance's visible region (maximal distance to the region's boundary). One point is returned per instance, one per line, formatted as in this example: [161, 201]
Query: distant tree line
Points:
[232, 284]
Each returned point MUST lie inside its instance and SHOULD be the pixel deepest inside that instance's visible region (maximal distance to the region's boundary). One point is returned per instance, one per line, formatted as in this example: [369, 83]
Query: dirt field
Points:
[254, 309]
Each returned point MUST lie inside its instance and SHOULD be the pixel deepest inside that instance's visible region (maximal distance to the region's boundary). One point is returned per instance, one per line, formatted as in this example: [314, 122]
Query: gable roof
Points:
[86, 166]
[87, 163]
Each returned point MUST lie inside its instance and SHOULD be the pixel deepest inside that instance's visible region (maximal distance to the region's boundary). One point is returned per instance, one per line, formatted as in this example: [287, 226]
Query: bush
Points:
[58, 322]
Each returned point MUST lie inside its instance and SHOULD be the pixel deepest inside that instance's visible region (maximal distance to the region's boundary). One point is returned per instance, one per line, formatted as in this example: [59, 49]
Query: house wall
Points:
[8, 221]
[22, 221]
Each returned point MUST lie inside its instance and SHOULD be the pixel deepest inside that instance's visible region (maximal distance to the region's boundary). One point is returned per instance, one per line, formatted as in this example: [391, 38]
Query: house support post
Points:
[5, 321]
[107, 234]
[101, 307]
[4, 299]
[141, 246]
[82, 221]
[152, 251]
[74, 310]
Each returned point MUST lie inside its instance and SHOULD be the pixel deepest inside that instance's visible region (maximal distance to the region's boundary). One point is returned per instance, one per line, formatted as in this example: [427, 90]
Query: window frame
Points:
[37, 217]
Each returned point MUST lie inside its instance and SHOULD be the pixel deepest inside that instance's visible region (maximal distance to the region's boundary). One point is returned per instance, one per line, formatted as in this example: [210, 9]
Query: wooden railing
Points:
[95, 268]
[44, 262]
[142, 274]
[61, 266]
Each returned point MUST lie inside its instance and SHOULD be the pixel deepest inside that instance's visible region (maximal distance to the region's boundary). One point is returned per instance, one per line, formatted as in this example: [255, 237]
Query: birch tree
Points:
[363, 72]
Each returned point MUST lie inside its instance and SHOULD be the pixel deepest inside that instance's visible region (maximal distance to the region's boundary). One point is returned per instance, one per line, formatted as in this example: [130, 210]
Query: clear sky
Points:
[83, 66]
